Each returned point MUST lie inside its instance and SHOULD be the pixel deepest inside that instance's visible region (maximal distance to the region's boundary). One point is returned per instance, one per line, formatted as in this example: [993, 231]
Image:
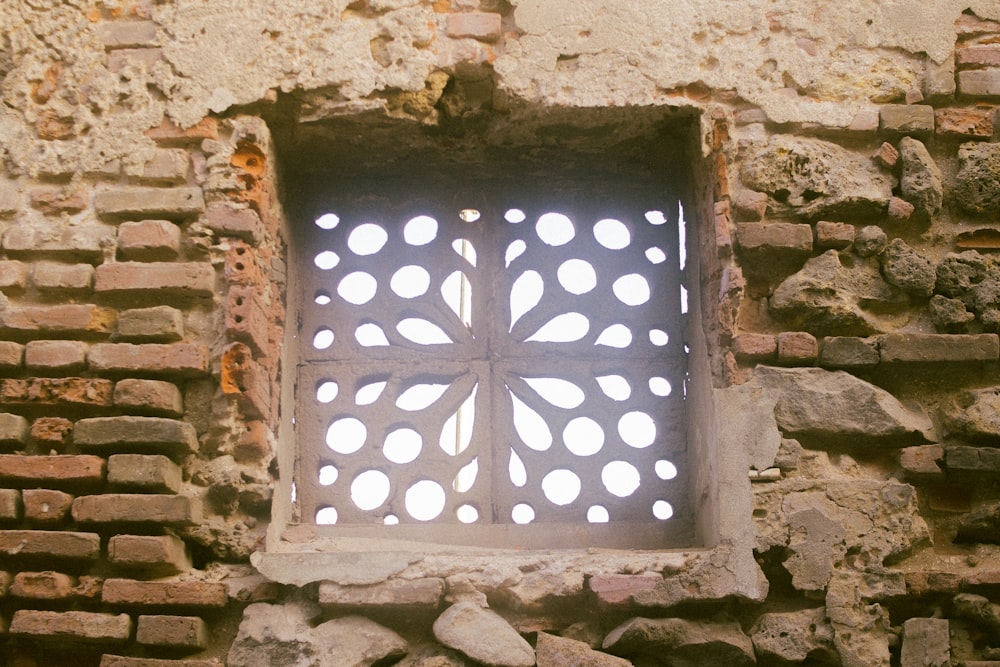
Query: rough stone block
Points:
[124, 34]
[49, 545]
[907, 118]
[194, 594]
[42, 585]
[479, 25]
[181, 359]
[10, 198]
[750, 206]
[56, 277]
[50, 356]
[10, 505]
[836, 235]
[797, 347]
[84, 242]
[54, 200]
[149, 240]
[168, 166]
[425, 592]
[972, 459]
[11, 356]
[761, 242]
[226, 220]
[246, 319]
[129, 508]
[13, 429]
[46, 506]
[150, 473]
[755, 347]
[155, 555]
[56, 392]
[135, 434]
[82, 626]
[939, 80]
[13, 275]
[979, 82]
[848, 352]
[152, 397]
[56, 471]
[926, 643]
[619, 588]
[144, 203]
[155, 280]
[80, 320]
[965, 123]
[938, 347]
[159, 324]
[922, 461]
[178, 632]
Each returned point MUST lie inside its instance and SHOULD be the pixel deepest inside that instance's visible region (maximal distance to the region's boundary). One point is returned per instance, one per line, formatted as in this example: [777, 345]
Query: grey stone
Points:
[553, 651]
[921, 181]
[959, 458]
[977, 184]
[794, 636]
[870, 241]
[355, 641]
[836, 406]
[980, 525]
[950, 315]
[483, 636]
[817, 545]
[907, 270]
[681, 643]
[818, 179]
[830, 296]
[974, 416]
[958, 272]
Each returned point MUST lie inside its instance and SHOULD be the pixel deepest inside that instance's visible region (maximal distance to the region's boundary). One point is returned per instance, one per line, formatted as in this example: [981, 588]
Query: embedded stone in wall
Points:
[977, 184]
[950, 315]
[687, 642]
[981, 525]
[975, 416]
[794, 636]
[921, 182]
[483, 635]
[903, 267]
[817, 545]
[818, 179]
[553, 651]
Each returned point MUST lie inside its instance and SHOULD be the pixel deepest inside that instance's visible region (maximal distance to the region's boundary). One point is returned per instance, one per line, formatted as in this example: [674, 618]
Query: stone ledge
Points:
[938, 347]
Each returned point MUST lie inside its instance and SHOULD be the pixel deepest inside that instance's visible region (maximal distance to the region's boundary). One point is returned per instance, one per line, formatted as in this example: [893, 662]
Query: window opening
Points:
[492, 366]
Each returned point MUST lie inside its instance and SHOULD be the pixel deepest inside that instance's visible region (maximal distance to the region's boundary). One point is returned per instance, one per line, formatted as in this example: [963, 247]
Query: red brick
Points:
[89, 588]
[136, 434]
[10, 505]
[159, 324]
[899, 209]
[619, 588]
[195, 594]
[156, 280]
[83, 626]
[479, 25]
[149, 240]
[56, 277]
[887, 155]
[152, 473]
[755, 347]
[749, 205]
[938, 347]
[965, 123]
[46, 506]
[970, 24]
[980, 82]
[188, 633]
[48, 356]
[723, 237]
[253, 446]
[978, 55]
[48, 545]
[155, 555]
[53, 201]
[51, 432]
[227, 220]
[82, 242]
[11, 356]
[837, 235]
[13, 275]
[246, 319]
[69, 319]
[130, 508]
[797, 347]
[151, 397]
[43, 585]
[168, 134]
[13, 429]
[51, 471]
[56, 392]
[245, 380]
[168, 166]
[143, 203]
[124, 34]
[182, 359]
[242, 266]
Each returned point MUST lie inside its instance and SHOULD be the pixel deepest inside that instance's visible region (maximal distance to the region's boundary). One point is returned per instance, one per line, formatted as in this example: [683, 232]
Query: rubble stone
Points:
[687, 642]
[977, 185]
[921, 183]
[483, 636]
[794, 636]
[553, 651]
[903, 267]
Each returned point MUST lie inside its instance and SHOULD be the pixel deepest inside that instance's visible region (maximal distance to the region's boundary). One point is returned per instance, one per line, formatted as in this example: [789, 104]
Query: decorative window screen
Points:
[494, 368]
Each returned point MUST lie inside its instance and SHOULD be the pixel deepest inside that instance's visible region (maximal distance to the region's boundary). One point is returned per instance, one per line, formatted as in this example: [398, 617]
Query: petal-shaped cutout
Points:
[617, 335]
[420, 396]
[612, 234]
[466, 477]
[457, 432]
[421, 230]
[620, 478]
[514, 250]
[631, 289]
[525, 294]
[370, 335]
[564, 328]
[410, 281]
[615, 387]
[346, 435]
[530, 426]
[577, 276]
[457, 293]
[367, 239]
[560, 393]
[561, 486]
[583, 436]
[422, 331]
[465, 250]
[358, 288]
[555, 229]
[327, 221]
[369, 393]
[516, 470]
[326, 260]
[425, 500]
[402, 445]
[370, 489]
[326, 391]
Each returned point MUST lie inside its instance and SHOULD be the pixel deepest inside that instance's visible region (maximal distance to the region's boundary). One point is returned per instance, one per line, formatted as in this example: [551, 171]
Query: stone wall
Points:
[844, 202]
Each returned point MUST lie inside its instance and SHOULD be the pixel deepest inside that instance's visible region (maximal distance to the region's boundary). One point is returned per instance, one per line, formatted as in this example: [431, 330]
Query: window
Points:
[479, 369]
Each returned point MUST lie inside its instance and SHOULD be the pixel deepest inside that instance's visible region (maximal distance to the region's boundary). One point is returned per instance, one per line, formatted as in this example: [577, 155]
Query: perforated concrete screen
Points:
[494, 365]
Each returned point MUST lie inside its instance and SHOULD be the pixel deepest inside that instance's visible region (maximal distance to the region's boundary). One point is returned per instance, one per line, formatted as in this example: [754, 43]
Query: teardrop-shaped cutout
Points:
[514, 250]
[560, 393]
[410, 281]
[617, 335]
[530, 426]
[367, 239]
[565, 328]
[421, 230]
[466, 477]
[456, 435]
[420, 396]
[422, 331]
[370, 335]
[456, 290]
[525, 294]
[465, 249]
[518, 473]
[577, 276]
[615, 387]
[326, 391]
[369, 393]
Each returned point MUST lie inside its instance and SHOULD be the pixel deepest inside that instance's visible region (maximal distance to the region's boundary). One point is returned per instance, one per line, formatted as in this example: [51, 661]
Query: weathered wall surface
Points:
[847, 206]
